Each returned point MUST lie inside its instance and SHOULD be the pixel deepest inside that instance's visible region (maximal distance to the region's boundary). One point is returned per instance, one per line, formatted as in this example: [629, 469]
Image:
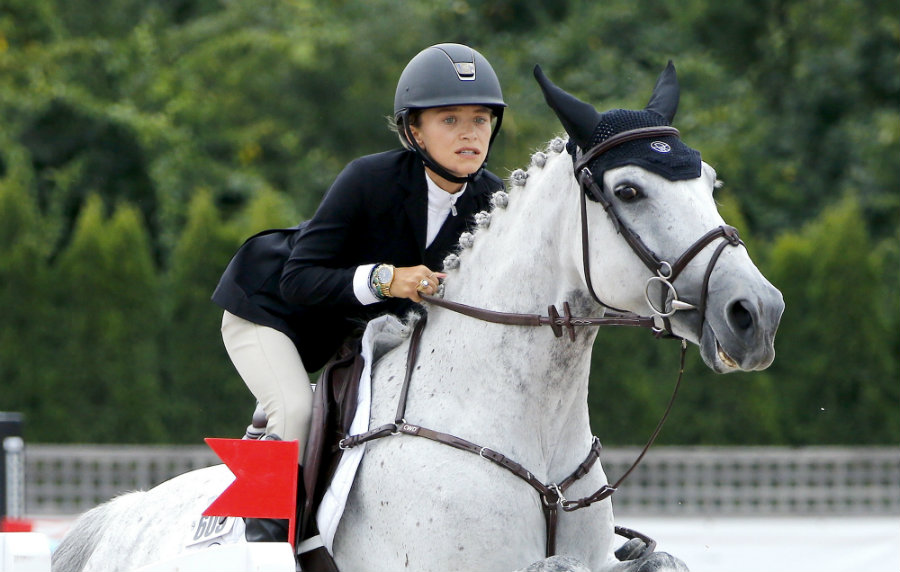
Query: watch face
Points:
[384, 275]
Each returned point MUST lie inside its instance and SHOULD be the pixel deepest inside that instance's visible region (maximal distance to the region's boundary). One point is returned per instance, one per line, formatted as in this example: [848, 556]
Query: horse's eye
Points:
[627, 192]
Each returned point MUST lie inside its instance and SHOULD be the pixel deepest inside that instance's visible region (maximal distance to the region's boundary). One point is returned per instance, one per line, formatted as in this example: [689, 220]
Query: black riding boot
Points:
[266, 529]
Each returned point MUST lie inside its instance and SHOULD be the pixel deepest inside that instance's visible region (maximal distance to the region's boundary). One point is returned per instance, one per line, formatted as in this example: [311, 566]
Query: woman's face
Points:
[456, 137]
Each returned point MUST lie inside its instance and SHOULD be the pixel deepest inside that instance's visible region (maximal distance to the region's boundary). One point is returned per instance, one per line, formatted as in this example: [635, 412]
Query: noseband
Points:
[665, 272]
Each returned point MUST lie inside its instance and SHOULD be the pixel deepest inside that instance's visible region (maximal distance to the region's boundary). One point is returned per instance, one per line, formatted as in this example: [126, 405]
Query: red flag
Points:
[265, 480]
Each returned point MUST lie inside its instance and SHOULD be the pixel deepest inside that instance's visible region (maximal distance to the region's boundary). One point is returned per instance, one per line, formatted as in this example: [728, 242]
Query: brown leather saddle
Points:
[334, 406]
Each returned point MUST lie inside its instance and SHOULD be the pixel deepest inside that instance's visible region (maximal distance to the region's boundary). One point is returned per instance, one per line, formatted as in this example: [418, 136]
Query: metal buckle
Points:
[557, 492]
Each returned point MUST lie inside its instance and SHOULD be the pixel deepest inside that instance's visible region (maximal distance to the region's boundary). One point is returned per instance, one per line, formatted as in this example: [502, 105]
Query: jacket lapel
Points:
[416, 206]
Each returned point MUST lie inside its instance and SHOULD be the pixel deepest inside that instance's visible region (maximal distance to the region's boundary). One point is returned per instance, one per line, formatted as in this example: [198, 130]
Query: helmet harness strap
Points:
[437, 167]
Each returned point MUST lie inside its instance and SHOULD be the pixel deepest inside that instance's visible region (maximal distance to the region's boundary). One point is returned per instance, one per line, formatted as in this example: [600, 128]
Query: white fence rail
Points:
[759, 481]
[765, 481]
[69, 479]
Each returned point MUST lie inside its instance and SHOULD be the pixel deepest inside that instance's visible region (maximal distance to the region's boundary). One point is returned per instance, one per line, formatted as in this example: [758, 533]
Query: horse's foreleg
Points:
[557, 564]
[653, 562]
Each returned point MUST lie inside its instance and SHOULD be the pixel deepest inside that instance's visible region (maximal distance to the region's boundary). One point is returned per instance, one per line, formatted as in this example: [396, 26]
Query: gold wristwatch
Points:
[382, 278]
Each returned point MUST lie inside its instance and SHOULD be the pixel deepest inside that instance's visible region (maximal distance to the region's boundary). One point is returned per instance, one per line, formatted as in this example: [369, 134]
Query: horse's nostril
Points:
[740, 316]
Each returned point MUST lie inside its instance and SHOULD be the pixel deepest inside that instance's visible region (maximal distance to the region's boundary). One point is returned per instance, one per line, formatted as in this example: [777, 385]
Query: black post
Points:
[11, 425]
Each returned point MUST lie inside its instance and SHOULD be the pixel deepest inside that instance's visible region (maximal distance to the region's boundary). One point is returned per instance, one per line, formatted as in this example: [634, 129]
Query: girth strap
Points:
[551, 495]
[393, 428]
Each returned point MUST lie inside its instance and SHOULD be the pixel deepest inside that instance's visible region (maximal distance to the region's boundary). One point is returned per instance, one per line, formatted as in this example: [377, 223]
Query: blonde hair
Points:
[395, 125]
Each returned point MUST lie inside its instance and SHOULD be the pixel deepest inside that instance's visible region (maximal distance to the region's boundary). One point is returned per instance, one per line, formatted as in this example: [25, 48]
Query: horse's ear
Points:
[578, 118]
[665, 95]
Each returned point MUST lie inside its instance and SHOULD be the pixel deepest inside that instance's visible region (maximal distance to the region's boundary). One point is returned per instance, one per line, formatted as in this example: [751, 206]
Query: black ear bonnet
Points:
[666, 156]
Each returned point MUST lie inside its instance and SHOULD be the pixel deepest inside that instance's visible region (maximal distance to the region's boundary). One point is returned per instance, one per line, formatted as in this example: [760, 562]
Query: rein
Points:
[552, 495]
[552, 319]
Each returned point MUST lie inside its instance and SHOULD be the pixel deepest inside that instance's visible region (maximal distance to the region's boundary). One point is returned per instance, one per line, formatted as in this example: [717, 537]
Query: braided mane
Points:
[500, 199]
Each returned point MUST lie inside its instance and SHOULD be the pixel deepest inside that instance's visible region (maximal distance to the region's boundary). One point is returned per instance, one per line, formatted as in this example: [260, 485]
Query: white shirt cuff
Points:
[361, 285]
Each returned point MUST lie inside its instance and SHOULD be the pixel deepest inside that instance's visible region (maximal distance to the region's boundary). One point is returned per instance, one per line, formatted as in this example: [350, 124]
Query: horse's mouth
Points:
[738, 357]
[725, 358]
[714, 354]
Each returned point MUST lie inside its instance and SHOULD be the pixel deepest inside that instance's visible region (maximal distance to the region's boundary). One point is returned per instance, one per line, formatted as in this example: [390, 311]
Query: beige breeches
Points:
[269, 364]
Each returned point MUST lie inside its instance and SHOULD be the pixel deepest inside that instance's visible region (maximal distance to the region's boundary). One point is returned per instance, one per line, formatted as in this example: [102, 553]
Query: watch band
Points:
[381, 279]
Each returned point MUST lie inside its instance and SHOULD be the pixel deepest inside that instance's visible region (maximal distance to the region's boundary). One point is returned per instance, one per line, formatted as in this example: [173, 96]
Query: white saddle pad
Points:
[382, 335]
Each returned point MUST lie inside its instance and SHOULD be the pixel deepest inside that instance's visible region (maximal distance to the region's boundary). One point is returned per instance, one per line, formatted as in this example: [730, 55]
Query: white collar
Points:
[441, 200]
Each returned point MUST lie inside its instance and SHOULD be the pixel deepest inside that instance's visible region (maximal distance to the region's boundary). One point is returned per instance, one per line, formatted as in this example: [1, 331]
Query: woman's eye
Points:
[450, 120]
[627, 192]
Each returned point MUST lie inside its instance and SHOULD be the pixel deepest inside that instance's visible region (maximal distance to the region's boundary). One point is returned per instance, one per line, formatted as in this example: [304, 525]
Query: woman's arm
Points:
[313, 273]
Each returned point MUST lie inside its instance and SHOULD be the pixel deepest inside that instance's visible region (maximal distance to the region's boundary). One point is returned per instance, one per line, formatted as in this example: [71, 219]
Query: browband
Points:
[623, 137]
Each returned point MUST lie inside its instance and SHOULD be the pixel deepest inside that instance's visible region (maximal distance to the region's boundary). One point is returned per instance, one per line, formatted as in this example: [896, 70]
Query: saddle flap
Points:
[334, 406]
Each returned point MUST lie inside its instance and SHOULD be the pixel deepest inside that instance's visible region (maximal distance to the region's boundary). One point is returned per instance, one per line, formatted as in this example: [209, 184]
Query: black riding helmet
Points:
[442, 75]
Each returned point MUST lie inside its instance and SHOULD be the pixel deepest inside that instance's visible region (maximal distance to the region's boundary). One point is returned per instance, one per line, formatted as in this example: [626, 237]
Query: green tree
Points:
[105, 383]
[151, 104]
[836, 377]
[628, 396]
[205, 396]
[24, 348]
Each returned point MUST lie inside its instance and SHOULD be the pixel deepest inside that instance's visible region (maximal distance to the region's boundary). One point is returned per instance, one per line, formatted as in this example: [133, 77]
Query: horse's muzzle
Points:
[739, 335]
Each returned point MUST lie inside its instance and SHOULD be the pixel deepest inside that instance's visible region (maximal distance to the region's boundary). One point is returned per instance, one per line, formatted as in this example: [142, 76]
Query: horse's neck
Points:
[527, 257]
[524, 380]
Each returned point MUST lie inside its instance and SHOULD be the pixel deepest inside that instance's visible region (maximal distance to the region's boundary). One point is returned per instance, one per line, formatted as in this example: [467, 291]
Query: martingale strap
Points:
[552, 494]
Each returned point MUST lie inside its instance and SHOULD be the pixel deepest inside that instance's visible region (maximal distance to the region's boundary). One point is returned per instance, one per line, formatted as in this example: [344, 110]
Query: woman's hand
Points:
[411, 281]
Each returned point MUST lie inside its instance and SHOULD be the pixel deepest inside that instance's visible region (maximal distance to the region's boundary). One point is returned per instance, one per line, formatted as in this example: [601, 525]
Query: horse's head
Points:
[664, 250]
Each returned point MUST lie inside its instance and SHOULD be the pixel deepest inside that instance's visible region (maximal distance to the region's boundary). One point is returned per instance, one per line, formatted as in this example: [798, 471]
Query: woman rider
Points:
[377, 240]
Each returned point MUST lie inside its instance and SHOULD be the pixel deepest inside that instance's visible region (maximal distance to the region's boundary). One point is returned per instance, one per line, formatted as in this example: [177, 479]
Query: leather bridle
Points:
[665, 272]
[553, 494]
